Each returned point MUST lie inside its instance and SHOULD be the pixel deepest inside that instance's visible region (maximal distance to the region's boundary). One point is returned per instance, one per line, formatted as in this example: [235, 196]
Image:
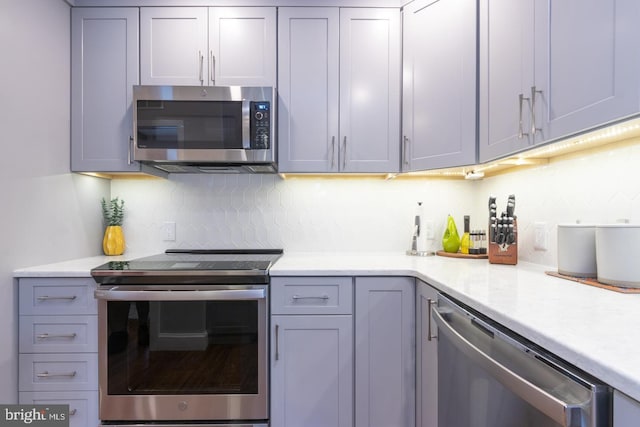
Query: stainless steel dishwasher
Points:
[490, 377]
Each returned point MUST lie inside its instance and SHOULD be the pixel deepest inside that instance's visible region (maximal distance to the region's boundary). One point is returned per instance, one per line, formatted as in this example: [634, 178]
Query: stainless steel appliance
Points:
[490, 377]
[216, 129]
[183, 337]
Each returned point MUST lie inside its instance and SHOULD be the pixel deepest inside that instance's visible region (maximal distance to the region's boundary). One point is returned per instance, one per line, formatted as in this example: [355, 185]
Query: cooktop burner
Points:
[191, 266]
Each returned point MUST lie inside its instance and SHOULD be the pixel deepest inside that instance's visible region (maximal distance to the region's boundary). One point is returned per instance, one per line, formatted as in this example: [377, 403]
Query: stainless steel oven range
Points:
[183, 337]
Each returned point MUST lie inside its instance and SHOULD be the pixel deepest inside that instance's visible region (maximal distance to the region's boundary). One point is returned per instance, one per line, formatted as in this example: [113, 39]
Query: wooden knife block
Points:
[504, 254]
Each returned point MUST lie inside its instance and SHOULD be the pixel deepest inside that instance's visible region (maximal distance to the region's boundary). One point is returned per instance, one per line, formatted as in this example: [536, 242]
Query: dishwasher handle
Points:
[565, 414]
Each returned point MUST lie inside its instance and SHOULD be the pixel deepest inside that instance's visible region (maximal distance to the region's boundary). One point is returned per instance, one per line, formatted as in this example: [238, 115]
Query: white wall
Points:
[341, 214]
[597, 187]
[299, 214]
[47, 214]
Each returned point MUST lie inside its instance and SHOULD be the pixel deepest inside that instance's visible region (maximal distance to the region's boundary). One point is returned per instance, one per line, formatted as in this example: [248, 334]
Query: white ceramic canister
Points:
[577, 250]
[618, 254]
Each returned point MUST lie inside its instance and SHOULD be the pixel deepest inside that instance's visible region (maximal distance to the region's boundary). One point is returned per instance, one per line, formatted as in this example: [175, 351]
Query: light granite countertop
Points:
[595, 329]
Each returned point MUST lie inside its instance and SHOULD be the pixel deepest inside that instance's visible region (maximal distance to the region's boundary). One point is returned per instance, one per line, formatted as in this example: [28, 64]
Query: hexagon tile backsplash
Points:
[371, 214]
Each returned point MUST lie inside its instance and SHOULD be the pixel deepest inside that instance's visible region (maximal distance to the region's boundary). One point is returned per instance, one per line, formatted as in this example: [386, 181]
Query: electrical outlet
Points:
[169, 231]
[540, 240]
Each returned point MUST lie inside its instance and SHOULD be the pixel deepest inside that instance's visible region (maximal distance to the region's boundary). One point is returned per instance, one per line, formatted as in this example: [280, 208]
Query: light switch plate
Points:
[169, 231]
[540, 240]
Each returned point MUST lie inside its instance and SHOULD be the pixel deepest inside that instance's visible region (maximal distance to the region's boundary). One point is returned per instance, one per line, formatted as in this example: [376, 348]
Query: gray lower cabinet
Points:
[311, 352]
[384, 351]
[342, 351]
[626, 411]
[426, 358]
[58, 346]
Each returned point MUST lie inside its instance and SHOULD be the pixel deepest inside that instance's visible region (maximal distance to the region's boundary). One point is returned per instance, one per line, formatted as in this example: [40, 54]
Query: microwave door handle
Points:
[122, 294]
[561, 412]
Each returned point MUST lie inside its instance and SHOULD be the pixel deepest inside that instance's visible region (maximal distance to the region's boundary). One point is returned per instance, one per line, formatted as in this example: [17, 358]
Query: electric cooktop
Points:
[177, 266]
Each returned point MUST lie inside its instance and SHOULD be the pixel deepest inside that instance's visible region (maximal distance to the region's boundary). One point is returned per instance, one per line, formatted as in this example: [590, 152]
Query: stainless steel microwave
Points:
[214, 129]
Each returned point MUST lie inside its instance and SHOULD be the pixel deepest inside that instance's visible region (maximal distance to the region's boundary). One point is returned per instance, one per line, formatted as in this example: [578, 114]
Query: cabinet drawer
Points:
[312, 295]
[83, 405]
[58, 334]
[58, 372]
[57, 296]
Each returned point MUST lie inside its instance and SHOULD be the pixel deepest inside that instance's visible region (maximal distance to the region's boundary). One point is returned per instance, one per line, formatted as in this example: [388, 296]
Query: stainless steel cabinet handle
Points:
[561, 412]
[213, 69]
[431, 303]
[521, 132]
[122, 293]
[297, 297]
[333, 151]
[52, 298]
[200, 74]
[130, 150]
[277, 343]
[534, 129]
[405, 150]
[344, 154]
[46, 374]
[46, 336]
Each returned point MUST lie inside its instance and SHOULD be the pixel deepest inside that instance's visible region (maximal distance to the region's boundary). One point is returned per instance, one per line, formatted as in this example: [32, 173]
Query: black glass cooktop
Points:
[191, 266]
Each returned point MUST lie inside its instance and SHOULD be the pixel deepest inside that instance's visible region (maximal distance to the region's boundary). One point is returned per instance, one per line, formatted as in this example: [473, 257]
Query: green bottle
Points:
[451, 239]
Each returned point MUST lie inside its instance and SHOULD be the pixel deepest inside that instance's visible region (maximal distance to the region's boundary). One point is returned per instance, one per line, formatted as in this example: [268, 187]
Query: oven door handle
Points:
[565, 414]
[130, 294]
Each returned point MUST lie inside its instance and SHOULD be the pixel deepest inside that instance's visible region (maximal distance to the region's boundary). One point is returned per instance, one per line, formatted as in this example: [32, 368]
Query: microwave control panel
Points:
[260, 125]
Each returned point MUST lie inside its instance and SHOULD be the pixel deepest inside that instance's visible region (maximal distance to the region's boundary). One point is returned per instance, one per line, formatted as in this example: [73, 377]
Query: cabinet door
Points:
[104, 68]
[242, 46]
[506, 75]
[439, 84]
[426, 358]
[385, 351]
[173, 46]
[369, 90]
[584, 52]
[311, 371]
[626, 411]
[308, 54]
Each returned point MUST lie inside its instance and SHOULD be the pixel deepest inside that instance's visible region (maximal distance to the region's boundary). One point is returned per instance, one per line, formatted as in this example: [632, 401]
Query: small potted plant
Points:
[113, 214]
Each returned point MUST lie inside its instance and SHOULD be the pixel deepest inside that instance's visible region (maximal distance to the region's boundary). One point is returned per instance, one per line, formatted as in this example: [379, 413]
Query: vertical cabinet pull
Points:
[130, 150]
[344, 153]
[405, 150]
[333, 151]
[200, 74]
[521, 132]
[430, 303]
[277, 344]
[534, 129]
[213, 69]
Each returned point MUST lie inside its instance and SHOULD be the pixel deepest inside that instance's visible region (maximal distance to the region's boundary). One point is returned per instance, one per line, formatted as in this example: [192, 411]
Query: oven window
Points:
[182, 347]
[189, 125]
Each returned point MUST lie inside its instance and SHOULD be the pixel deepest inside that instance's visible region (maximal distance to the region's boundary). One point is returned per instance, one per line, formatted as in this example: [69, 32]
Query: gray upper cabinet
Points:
[588, 51]
[339, 90]
[308, 89]
[208, 46]
[104, 68]
[506, 76]
[439, 84]
[553, 69]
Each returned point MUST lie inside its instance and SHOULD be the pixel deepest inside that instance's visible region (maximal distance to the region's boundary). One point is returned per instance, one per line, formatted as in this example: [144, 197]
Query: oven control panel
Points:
[260, 116]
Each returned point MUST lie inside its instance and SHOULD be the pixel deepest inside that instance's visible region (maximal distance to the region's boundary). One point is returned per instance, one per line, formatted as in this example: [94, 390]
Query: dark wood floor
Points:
[220, 369]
